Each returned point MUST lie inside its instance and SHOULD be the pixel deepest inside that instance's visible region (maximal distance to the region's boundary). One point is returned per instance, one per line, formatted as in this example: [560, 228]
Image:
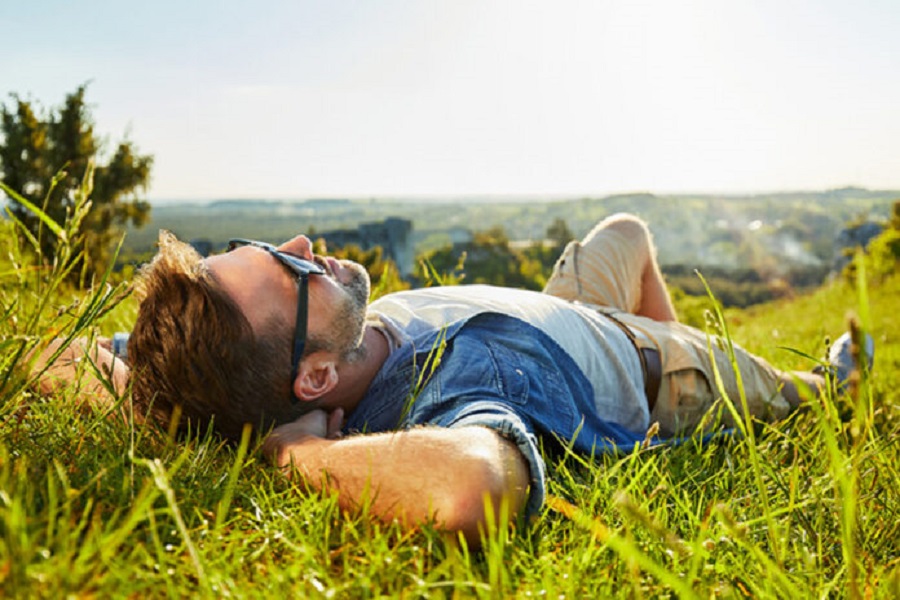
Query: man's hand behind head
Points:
[317, 423]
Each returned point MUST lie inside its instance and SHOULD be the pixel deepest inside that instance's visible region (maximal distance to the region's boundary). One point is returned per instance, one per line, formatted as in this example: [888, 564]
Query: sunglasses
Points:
[302, 269]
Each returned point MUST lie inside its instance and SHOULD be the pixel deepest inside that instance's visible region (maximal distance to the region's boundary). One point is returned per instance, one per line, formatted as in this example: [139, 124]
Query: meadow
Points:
[805, 508]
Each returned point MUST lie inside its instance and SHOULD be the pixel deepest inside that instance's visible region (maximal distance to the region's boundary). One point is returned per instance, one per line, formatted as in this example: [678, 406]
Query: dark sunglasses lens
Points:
[301, 265]
[240, 242]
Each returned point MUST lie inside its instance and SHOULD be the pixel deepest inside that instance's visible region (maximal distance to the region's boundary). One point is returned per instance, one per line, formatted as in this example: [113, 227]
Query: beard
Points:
[346, 334]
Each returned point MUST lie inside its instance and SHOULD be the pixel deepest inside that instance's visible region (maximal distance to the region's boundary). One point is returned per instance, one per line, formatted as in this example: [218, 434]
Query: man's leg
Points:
[687, 396]
[614, 265]
[790, 391]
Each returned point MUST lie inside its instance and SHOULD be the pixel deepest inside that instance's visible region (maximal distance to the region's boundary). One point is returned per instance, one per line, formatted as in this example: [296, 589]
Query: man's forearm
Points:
[415, 476]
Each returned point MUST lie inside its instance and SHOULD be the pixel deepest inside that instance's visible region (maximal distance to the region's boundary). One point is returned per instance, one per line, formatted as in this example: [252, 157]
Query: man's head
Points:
[215, 336]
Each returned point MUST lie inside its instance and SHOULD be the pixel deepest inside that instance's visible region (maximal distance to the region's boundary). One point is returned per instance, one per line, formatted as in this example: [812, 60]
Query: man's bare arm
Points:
[413, 476]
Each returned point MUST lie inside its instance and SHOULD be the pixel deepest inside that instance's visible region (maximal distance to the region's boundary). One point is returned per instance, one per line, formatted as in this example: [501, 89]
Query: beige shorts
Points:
[605, 269]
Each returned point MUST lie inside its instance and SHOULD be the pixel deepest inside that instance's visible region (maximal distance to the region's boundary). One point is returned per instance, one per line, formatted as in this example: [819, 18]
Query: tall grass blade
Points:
[52, 225]
[161, 479]
[744, 419]
[235, 470]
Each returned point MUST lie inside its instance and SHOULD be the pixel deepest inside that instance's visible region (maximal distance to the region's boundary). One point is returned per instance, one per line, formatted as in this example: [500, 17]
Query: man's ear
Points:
[316, 377]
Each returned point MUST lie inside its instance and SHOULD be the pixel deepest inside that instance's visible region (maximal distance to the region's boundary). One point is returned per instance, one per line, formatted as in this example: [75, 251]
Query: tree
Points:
[559, 233]
[884, 250]
[488, 258]
[44, 159]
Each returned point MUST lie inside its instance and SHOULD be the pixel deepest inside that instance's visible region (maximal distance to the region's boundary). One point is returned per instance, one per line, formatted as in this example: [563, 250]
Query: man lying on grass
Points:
[425, 402]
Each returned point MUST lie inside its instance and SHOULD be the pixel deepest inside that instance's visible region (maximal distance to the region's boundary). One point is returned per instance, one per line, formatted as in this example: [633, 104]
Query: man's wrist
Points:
[288, 453]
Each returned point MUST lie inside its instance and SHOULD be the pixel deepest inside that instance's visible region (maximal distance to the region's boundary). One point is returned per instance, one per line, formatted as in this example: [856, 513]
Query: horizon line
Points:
[512, 196]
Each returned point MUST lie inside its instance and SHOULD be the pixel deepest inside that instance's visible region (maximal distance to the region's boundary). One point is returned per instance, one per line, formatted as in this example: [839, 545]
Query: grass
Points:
[806, 508]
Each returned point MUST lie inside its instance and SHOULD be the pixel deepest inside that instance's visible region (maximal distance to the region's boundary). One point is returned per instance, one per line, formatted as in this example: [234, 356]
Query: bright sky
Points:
[299, 98]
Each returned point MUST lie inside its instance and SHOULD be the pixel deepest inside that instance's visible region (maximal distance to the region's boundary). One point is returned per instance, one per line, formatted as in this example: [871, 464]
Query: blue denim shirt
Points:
[496, 371]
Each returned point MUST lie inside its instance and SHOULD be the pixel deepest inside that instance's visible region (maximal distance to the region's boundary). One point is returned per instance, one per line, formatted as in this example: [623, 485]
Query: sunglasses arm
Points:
[300, 331]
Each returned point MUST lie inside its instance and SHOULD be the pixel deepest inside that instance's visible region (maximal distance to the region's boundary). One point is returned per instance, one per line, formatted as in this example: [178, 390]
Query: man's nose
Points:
[299, 246]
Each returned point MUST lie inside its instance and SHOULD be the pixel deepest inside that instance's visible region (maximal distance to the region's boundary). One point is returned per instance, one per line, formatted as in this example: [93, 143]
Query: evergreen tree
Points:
[44, 159]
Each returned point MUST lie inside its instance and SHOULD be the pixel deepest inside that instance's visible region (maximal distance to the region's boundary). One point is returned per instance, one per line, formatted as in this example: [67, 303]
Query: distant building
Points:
[393, 235]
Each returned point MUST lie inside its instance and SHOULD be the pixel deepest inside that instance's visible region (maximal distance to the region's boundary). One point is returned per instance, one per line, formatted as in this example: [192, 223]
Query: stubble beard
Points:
[349, 325]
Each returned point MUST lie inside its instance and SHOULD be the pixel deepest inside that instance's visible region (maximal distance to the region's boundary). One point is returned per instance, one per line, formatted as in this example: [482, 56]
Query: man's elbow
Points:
[492, 492]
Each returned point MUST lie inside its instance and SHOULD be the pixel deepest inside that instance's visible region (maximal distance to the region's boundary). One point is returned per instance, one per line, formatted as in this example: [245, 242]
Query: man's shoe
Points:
[841, 360]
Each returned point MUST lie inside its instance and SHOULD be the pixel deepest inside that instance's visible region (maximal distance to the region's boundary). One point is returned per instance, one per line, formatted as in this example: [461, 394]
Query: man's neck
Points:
[355, 378]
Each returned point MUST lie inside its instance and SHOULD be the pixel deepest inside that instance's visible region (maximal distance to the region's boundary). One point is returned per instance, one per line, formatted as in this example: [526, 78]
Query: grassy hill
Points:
[806, 508]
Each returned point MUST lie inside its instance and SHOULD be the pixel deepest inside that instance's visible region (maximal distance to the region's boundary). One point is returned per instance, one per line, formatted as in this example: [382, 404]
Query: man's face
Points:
[266, 290]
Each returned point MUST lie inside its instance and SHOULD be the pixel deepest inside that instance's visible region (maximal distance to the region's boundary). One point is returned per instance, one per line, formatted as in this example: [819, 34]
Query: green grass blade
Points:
[52, 225]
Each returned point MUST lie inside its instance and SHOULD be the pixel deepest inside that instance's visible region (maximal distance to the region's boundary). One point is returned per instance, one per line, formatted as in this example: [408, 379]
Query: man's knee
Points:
[631, 228]
[626, 224]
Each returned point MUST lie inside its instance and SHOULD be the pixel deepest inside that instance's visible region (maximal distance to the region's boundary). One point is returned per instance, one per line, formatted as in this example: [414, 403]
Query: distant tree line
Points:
[742, 287]
[491, 258]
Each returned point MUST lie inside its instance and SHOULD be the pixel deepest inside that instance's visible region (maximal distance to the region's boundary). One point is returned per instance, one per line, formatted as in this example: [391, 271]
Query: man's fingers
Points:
[270, 449]
[335, 422]
[316, 423]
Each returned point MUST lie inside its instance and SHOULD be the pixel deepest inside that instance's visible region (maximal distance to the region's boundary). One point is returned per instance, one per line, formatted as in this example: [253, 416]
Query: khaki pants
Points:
[605, 269]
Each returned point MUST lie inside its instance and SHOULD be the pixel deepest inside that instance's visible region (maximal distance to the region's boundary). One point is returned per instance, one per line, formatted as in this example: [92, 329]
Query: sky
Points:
[387, 98]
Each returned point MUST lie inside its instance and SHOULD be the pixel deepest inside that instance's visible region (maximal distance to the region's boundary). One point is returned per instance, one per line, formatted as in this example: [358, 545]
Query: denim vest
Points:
[496, 371]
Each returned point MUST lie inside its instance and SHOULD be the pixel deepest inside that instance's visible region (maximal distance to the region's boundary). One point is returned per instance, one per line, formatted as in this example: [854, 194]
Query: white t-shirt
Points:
[605, 355]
